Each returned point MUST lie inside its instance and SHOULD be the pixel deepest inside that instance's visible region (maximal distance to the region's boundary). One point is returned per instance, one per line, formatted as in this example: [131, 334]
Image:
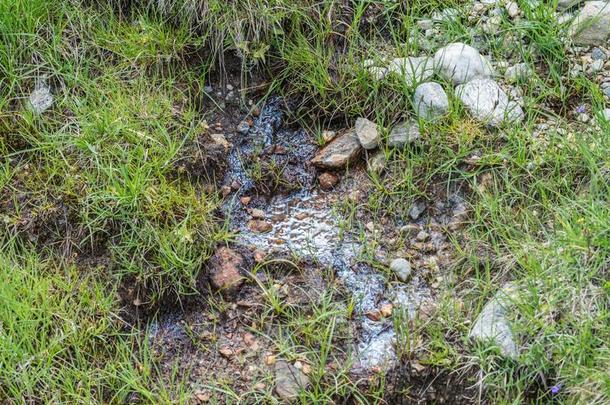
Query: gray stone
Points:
[367, 133]
[598, 54]
[403, 134]
[592, 25]
[512, 8]
[422, 236]
[606, 114]
[41, 98]
[460, 63]
[492, 324]
[416, 210]
[606, 91]
[402, 268]
[367, 63]
[430, 101]
[243, 128]
[564, 18]
[339, 152]
[488, 103]
[518, 72]
[413, 70]
[289, 381]
[597, 65]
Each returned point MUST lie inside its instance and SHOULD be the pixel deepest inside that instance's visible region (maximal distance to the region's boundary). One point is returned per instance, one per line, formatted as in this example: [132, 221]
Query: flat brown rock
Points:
[341, 151]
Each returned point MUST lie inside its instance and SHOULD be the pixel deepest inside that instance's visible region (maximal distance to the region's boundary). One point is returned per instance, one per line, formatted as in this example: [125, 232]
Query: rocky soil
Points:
[283, 192]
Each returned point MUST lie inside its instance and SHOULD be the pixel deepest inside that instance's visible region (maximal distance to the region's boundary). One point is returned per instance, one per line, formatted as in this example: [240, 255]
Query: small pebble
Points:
[243, 127]
[402, 268]
[422, 236]
[328, 181]
[598, 54]
[416, 210]
[597, 65]
[257, 213]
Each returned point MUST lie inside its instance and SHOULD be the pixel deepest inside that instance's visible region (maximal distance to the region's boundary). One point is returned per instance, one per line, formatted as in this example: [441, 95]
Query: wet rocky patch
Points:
[283, 200]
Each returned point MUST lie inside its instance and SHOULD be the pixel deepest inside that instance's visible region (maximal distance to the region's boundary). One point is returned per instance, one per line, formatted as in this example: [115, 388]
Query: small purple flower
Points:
[556, 388]
[581, 109]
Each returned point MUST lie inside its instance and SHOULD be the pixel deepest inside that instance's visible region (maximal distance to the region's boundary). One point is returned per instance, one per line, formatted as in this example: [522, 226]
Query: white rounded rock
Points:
[460, 63]
[430, 101]
[402, 268]
[488, 103]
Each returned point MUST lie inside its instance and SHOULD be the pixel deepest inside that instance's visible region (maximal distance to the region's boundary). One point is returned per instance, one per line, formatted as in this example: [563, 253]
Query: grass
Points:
[63, 340]
[98, 211]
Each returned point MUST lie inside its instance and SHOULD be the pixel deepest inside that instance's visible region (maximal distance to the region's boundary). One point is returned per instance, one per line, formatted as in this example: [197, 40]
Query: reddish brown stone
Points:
[328, 181]
[259, 226]
[225, 274]
[338, 153]
[259, 256]
[235, 185]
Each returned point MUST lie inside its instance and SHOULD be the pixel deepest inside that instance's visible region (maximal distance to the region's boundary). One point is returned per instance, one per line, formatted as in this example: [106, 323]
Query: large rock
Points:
[413, 70]
[492, 324]
[403, 134]
[339, 153]
[224, 267]
[289, 381]
[430, 101]
[592, 25]
[367, 133]
[488, 103]
[460, 63]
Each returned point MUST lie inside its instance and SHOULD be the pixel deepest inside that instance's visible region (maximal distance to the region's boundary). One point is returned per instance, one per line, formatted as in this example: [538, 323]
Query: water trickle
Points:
[303, 223]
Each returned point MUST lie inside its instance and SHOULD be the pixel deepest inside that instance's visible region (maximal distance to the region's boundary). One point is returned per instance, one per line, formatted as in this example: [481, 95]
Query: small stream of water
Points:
[304, 224]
